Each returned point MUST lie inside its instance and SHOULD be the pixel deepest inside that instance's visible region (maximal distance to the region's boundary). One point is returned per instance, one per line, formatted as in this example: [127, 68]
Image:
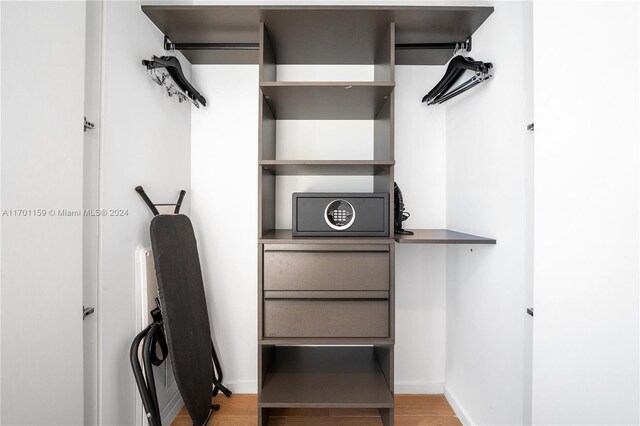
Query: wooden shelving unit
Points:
[329, 292]
[321, 290]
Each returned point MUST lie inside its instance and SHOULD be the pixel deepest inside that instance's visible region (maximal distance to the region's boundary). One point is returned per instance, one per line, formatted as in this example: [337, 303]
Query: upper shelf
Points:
[441, 236]
[326, 167]
[326, 100]
[317, 34]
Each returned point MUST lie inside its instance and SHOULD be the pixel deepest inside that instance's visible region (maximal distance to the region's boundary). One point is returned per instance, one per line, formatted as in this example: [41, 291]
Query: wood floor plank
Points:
[299, 412]
[220, 421]
[422, 405]
[239, 405]
[243, 405]
[234, 421]
[410, 410]
[426, 421]
[354, 412]
[325, 421]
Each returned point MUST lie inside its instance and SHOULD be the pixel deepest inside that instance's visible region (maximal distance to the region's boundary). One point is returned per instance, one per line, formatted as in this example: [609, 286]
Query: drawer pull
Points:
[326, 295]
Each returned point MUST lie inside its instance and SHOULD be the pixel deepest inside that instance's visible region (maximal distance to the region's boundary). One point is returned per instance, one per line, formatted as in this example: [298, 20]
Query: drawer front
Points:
[326, 270]
[326, 318]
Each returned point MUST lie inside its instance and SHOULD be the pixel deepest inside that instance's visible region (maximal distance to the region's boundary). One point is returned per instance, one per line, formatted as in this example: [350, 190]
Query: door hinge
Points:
[530, 311]
[87, 311]
[88, 125]
[530, 127]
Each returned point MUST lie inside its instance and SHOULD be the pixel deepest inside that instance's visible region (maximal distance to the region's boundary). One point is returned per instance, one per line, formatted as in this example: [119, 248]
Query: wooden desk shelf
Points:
[441, 236]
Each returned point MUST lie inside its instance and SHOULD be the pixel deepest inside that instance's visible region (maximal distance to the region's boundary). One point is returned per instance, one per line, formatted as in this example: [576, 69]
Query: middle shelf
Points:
[325, 377]
[285, 236]
[343, 100]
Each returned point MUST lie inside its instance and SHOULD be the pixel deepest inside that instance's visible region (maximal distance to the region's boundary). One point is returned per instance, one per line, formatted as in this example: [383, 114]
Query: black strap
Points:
[158, 339]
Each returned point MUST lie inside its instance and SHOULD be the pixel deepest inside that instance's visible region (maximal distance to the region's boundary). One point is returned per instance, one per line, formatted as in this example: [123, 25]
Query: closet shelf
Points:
[325, 377]
[326, 167]
[343, 100]
[441, 236]
[285, 236]
[316, 34]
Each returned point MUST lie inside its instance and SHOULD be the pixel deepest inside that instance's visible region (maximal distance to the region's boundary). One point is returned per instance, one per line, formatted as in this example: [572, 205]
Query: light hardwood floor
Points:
[410, 410]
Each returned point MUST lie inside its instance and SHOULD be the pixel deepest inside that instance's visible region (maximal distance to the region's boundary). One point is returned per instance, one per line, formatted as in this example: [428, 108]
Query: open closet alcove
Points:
[326, 305]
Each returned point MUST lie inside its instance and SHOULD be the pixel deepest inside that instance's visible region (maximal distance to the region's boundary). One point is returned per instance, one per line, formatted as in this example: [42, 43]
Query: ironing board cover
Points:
[184, 311]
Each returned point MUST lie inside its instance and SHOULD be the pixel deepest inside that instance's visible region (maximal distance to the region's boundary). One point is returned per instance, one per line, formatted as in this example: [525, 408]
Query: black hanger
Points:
[172, 65]
[456, 68]
[472, 82]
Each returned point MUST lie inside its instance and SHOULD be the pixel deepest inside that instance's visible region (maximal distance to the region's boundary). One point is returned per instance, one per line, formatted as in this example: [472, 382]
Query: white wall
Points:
[420, 269]
[42, 105]
[145, 139]
[487, 195]
[224, 184]
[586, 263]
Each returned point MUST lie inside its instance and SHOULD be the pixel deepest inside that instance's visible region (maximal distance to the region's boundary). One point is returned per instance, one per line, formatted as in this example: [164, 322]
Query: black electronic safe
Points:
[323, 214]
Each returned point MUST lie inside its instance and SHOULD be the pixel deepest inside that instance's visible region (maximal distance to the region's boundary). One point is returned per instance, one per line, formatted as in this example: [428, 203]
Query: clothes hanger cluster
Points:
[167, 72]
[444, 90]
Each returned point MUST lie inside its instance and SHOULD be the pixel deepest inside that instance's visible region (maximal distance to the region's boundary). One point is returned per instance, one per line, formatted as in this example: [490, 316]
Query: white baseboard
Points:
[172, 409]
[241, 387]
[462, 414]
[425, 388]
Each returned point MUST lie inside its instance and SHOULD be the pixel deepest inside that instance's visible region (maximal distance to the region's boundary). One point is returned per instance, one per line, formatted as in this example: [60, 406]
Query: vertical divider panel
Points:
[392, 292]
[263, 416]
[383, 143]
[385, 358]
[267, 71]
[260, 306]
[382, 135]
[267, 131]
[267, 57]
[385, 56]
[266, 137]
[383, 149]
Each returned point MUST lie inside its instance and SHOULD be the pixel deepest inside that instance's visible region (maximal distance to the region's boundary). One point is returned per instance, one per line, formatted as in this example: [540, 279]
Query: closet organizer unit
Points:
[326, 304]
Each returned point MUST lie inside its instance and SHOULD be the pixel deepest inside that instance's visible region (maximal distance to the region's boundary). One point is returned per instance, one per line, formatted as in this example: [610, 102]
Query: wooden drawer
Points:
[326, 318]
[322, 269]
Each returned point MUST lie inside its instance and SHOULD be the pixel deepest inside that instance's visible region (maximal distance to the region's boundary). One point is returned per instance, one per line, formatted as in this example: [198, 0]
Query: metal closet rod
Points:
[168, 45]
